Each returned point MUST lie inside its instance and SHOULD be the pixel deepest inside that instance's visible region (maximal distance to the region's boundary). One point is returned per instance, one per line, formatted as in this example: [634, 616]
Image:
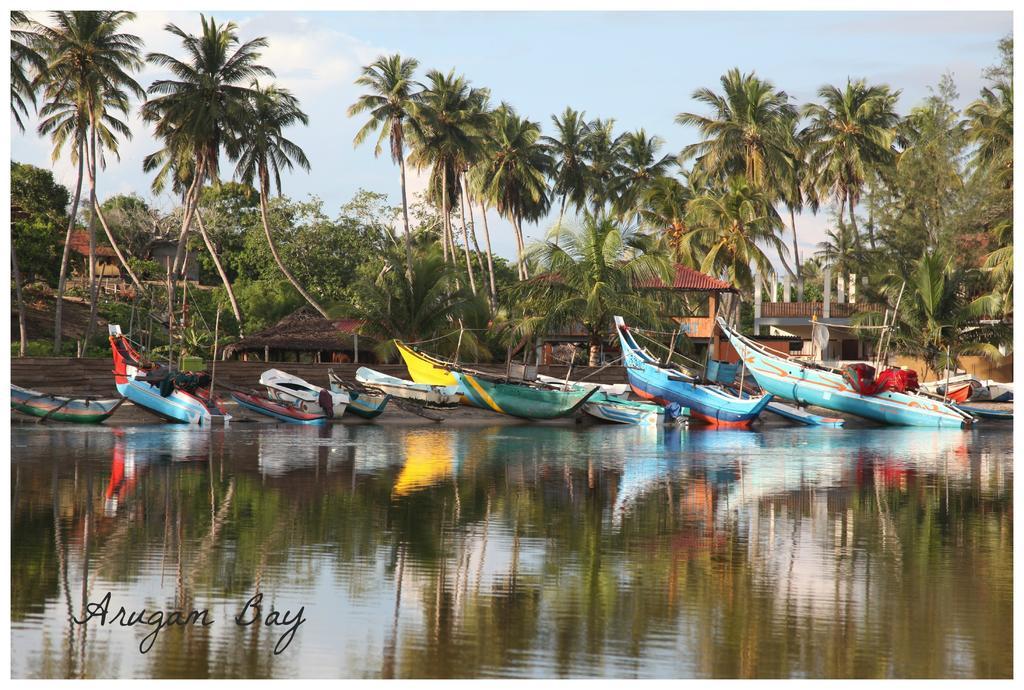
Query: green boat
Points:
[521, 401]
[58, 408]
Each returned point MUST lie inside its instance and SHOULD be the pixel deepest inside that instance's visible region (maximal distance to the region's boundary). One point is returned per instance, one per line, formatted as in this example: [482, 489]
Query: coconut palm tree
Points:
[514, 177]
[202, 109]
[568, 151]
[796, 188]
[25, 59]
[637, 167]
[990, 128]
[263, 152]
[591, 275]
[663, 209]
[428, 308]
[733, 224]
[446, 133]
[999, 265]
[746, 134]
[850, 133]
[937, 315]
[602, 151]
[389, 80]
[87, 86]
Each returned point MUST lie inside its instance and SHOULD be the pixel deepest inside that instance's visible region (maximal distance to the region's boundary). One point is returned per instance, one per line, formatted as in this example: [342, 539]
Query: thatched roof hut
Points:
[305, 336]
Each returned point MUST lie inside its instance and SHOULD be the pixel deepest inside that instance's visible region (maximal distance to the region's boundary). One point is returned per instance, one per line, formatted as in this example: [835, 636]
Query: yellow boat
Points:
[424, 368]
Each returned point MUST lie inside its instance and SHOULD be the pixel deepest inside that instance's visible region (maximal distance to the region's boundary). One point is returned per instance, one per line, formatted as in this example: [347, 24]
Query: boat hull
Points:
[366, 405]
[277, 410]
[179, 406]
[424, 369]
[791, 380]
[441, 396]
[610, 409]
[521, 401]
[58, 408]
[710, 404]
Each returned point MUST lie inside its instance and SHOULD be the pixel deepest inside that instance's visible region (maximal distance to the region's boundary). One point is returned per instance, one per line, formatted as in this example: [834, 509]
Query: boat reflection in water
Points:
[435, 551]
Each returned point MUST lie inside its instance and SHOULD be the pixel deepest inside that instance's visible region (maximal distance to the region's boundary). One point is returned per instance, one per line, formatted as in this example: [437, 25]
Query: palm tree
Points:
[663, 209]
[448, 121]
[591, 275]
[202, 110]
[602, 151]
[795, 187]
[733, 224]
[850, 133]
[390, 83]
[514, 177]
[638, 166]
[999, 265]
[568, 151]
[264, 151]
[746, 134]
[990, 128]
[839, 250]
[25, 59]
[937, 315]
[428, 308]
[87, 87]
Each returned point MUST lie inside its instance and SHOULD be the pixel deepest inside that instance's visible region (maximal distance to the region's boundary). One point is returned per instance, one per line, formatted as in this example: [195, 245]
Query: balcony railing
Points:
[806, 310]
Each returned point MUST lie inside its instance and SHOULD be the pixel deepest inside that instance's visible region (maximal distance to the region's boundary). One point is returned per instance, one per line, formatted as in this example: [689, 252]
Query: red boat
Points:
[277, 409]
[960, 393]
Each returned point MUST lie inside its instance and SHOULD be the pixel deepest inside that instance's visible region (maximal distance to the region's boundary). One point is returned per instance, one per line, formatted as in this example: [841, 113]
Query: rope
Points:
[692, 361]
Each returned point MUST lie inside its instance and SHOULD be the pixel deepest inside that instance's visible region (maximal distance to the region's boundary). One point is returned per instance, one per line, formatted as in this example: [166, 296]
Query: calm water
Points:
[516, 551]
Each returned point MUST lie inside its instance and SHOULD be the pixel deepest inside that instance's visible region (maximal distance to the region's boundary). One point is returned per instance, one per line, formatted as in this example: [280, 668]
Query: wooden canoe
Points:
[59, 408]
[521, 401]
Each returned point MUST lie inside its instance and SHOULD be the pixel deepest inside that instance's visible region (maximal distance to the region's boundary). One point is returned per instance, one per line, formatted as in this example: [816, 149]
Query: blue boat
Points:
[791, 379]
[156, 390]
[797, 414]
[711, 404]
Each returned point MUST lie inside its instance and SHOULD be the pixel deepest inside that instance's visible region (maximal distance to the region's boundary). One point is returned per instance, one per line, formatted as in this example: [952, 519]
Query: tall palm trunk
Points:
[521, 247]
[220, 270]
[465, 246]
[444, 211]
[62, 281]
[796, 250]
[22, 329]
[405, 219]
[472, 225]
[191, 201]
[93, 286]
[264, 189]
[490, 256]
[853, 220]
[561, 212]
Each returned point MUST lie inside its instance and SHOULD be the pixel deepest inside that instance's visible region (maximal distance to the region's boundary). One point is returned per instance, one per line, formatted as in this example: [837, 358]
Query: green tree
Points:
[731, 226]
[639, 165]
[38, 210]
[514, 177]
[87, 87]
[851, 133]
[264, 152]
[25, 60]
[200, 112]
[568, 153]
[663, 209]
[590, 276]
[389, 80]
[602, 151]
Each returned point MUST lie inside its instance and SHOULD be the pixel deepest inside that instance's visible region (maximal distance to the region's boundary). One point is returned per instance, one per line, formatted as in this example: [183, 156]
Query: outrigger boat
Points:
[609, 388]
[520, 400]
[436, 396]
[283, 387]
[278, 409]
[180, 397]
[986, 413]
[612, 408]
[808, 384]
[360, 403]
[59, 408]
[425, 369]
[709, 403]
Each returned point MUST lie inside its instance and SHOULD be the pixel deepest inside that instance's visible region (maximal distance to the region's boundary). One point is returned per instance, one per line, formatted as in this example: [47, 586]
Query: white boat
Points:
[609, 388]
[443, 396]
[283, 386]
[621, 411]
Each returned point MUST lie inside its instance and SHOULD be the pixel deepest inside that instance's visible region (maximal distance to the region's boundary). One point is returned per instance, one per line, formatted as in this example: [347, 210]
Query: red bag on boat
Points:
[898, 380]
[861, 378]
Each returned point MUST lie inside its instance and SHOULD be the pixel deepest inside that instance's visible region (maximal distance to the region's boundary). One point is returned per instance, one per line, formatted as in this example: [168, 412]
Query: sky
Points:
[638, 68]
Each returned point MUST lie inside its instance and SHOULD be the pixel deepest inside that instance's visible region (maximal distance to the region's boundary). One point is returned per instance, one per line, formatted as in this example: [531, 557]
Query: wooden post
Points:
[355, 347]
[213, 363]
[266, 353]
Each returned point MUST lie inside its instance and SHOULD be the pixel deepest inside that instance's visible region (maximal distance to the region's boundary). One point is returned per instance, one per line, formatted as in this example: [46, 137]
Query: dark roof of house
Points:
[80, 244]
[303, 330]
[688, 279]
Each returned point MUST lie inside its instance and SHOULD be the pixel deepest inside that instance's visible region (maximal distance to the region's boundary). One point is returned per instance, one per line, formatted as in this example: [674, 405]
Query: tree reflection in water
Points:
[517, 550]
